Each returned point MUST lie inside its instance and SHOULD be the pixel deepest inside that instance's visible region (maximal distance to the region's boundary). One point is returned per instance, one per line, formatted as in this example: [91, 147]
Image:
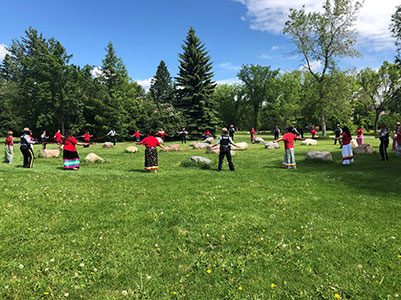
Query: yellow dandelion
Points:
[337, 296]
[174, 293]
[98, 244]
[209, 271]
[187, 275]
[158, 249]
[300, 265]
[263, 230]
[240, 288]
[295, 230]
[399, 255]
[272, 285]
[46, 293]
[92, 273]
[29, 228]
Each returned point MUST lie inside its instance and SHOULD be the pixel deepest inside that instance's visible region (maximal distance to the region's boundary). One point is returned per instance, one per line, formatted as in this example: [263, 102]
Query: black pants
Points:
[337, 139]
[225, 151]
[28, 157]
[44, 145]
[113, 140]
[276, 136]
[383, 150]
[232, 136]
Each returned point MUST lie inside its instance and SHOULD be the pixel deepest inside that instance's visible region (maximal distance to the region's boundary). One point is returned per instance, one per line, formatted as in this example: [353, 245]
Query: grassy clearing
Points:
[111, 231]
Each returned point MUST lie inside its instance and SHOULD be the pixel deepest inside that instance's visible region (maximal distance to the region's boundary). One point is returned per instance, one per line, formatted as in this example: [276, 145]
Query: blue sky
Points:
[235, 32]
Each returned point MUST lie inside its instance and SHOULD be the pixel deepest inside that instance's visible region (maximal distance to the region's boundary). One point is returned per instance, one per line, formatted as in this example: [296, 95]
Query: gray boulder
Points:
[209, 140]
[309, 142]
[92, 157]
[108, 145]
[364, 149]
[259, 140]
[241, 146]
[199, 145]
[201, 159]
[319, 155]
[49, 153]
[272, 145]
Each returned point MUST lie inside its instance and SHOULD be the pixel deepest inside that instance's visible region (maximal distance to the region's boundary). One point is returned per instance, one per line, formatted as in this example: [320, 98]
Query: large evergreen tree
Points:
[161, 87]
[195, 86]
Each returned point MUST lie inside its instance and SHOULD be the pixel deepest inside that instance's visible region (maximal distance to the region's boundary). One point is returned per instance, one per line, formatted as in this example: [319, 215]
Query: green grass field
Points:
[112, 231]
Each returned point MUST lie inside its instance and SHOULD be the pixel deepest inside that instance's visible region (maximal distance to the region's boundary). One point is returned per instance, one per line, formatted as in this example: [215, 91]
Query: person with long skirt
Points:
[151, 159]
[348, 156]
[70, 154]
[9, 148]
[359, 137]
[288, 139]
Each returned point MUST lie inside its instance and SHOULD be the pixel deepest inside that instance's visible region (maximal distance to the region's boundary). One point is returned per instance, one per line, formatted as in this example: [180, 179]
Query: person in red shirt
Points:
[207, 134]
[9, 148]
[359, 137]
[58, 136]
[162, 134]
[288, 139]
[70, 154]
[137, 135]
[87, 139]
[253, 131]
[151, 160]
[313, 132]
[348, 156]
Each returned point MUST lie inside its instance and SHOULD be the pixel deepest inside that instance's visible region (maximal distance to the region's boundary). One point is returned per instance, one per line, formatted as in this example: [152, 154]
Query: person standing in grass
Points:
[161, 133]
[151, 159]
[137, 136]
[288, 139]
[225, 143]
[27, 148]
[112, 134]
[43, 139]
[253, 132]
[338, 131]
[394, 137]
[9, 148]
[384, 142]
[87, 139]
[183, 135]
[58, 136]
[359, 137]
[207, 134]
[276, 132]
[348, 156]
[231, 131]
[313, 132]
[70, 154]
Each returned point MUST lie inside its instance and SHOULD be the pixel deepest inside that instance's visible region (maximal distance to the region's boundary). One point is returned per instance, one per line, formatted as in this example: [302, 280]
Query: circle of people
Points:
[71, 158]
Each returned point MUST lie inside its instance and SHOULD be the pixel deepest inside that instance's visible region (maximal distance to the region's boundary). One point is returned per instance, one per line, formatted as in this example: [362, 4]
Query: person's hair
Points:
[68, 133]
[9, 132]
[289, 128]
[346, 130]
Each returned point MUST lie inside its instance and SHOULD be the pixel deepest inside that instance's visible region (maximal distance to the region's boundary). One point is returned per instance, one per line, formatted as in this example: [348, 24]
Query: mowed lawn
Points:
[111, 231]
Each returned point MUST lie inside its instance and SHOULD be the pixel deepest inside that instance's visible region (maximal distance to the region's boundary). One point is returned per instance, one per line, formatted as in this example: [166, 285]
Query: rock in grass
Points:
[92, 157]
[272, 145]
[173, 147]
[216, 150]
[160, 140]
[259, 140]
[108, 145]
[241, 146]
[319, 155]
[197, 145]
[131, 149]
[201, 159]
[364, 149]
[209, 140]
[49, 153]
[354, 144]
[309, 142]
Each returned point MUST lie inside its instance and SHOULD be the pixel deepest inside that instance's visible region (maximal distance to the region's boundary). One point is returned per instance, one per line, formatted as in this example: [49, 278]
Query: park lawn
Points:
[111, 231]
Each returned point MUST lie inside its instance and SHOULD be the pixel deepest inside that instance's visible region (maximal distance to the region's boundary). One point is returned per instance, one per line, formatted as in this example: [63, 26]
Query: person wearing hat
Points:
[9, 148]
[27, 148]
[225, 143]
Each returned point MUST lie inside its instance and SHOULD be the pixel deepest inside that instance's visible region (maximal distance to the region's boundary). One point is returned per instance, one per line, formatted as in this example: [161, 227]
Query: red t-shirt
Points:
[346, 138]
[288, 140]
[253, 131]
[207, 133]
[398, 139]
[69, 144]
[58, 136]
[313, 132]
[137, 134]
[150, 141]
[161, 133]
[9, 141]
[360, 131]
[87, 137]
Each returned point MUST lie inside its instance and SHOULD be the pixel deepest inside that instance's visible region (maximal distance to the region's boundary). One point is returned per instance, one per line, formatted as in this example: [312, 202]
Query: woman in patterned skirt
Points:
[151, 161]
[70, 154]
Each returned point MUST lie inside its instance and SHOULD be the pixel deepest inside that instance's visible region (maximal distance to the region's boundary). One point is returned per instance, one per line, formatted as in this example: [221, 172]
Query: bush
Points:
[197, 164]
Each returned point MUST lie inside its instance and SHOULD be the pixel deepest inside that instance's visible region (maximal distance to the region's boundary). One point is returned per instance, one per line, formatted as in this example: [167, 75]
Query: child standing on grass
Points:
[9, 148]
[288, 139]
[70, 154]
[348, 156]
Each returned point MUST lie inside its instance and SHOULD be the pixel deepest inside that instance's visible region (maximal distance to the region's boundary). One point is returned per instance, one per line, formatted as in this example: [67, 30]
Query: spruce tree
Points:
[195, 86]
[161, 87]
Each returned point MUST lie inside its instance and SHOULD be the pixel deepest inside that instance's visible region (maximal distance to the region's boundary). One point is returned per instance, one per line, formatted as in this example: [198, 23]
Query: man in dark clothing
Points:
[384, 141]
[27, 149]
[276, 132]
[338, 131]
[225, 143]
[183, 135]
[231, 132]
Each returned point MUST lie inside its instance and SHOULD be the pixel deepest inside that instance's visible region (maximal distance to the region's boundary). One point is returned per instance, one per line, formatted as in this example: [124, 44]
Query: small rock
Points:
[199, 145]
[354, 144]
[160, 140]
[108, 145]
[92, 157]
[364, 149]
[320, 155]
[309, 142]
[272, 145]
[173, 147]
[132, 149]
[259, 140]
[201, 159]
[49, 153]
[241, 146]
[209, 140]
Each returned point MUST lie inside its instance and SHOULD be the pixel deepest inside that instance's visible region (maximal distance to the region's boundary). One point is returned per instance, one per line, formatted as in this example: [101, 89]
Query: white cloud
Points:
[229, 66]
[229, 81]
[3, 51]
[145, 83]
[275, 48]
[96, 71]
[372, 25]
[316, 65]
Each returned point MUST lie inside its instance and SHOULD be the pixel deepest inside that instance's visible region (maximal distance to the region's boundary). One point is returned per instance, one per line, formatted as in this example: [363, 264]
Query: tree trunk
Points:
[322, 112]
[377, 117]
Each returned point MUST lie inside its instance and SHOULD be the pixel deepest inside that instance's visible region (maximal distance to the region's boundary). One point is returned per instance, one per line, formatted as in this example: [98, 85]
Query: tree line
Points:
[40, 88]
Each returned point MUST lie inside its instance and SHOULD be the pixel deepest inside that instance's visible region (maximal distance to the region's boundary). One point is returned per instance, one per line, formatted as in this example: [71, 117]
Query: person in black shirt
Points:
[225, 143]
[276, 132]
[384, 141]
[338, 131]
[183, 135]
[231, 132]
